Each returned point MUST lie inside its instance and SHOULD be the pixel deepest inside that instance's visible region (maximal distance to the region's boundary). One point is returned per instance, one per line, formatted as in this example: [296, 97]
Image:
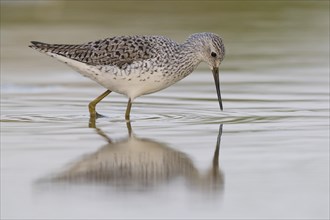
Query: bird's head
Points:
[212, 51]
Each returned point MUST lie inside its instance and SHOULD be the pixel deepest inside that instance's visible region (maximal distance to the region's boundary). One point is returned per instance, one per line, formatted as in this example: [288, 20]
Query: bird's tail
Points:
[59, 49]
[42, 47]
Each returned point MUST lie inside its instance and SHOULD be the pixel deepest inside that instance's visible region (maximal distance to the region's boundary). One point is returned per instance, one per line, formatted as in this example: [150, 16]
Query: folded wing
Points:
[118, 51]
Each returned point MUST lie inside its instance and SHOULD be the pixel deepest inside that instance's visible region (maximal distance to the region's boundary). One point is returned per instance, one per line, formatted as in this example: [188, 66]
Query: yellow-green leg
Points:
[128, 109]
[92, 104]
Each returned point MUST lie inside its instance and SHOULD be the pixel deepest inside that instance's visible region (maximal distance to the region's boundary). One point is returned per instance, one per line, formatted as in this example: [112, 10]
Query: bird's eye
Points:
[213, 54]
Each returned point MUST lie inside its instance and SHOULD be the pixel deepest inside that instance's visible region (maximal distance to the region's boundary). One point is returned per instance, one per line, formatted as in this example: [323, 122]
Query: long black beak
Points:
[215, 72]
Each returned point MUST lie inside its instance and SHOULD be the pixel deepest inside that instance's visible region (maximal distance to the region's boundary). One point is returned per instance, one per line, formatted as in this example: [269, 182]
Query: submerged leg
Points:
[128, 109]
[93, 103]
[92, 124]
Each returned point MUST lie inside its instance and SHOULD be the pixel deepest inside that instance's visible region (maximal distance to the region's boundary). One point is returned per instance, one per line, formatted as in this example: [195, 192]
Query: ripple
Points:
[50, 104]
[188, 115]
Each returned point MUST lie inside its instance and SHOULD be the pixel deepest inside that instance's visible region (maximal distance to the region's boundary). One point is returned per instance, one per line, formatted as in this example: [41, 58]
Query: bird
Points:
[139, 64]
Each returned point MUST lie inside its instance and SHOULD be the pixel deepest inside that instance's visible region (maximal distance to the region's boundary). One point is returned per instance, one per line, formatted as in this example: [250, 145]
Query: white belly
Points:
[132, 82]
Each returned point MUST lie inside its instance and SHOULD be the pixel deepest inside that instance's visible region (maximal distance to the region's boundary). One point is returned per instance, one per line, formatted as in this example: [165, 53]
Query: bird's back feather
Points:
[116, 51]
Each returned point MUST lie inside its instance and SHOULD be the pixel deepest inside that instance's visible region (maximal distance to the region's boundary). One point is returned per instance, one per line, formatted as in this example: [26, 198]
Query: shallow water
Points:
[265, 156]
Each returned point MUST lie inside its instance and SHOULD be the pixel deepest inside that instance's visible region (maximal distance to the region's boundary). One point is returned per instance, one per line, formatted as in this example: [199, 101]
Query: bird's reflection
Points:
[140, 163]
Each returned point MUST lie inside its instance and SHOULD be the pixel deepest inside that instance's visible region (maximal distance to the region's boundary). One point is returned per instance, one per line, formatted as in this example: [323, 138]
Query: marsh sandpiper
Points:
[138, 65]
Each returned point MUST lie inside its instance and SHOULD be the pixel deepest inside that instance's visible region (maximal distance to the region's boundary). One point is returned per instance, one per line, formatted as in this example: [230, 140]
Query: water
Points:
[274, 148]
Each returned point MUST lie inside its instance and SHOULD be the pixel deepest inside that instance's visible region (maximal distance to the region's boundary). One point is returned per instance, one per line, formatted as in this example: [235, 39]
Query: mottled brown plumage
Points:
[116, 51]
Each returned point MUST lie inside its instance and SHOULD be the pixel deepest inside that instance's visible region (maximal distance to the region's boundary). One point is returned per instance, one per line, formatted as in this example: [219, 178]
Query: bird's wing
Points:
[116, 51]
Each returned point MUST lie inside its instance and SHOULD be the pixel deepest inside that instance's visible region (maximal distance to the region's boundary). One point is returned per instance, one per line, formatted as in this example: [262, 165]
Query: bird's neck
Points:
[193, 49]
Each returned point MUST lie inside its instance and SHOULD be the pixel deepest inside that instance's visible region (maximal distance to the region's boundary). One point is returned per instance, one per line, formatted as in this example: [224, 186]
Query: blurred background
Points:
[270, 31]
[274, 155]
